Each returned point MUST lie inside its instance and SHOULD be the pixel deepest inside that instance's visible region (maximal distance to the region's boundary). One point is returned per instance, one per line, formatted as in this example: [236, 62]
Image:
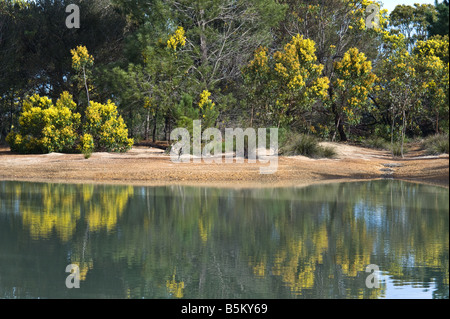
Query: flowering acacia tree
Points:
[414, 85]
[290, 81]
[354, 81]
[81, 59]
[46, 127]
[107, 128]
[433, 63]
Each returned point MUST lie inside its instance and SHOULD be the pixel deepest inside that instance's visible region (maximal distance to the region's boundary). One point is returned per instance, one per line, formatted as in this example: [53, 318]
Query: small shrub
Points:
[436, 144]
[45, 127]
[300, 144]
[328, 152]
[306, 145]
[87, 145]
[377, 143]
[396, 149]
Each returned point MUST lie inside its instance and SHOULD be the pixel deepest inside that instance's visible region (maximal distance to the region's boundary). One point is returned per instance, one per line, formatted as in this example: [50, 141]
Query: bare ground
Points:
[149, 166]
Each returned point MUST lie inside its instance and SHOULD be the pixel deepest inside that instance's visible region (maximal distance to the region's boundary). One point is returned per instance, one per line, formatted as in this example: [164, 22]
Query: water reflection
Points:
[184, 242]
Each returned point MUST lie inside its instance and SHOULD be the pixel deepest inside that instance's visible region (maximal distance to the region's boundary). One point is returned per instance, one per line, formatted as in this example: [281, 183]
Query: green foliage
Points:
[439, 25]
[413, 21]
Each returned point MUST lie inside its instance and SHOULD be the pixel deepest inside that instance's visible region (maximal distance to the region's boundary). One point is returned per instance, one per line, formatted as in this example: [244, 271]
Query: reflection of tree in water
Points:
[49, 208]
[215, 243]
[305, 237]
[56, 208]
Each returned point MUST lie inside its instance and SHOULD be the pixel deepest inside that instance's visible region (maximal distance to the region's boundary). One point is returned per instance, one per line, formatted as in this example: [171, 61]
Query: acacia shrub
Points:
[45, 127]
[107, 128]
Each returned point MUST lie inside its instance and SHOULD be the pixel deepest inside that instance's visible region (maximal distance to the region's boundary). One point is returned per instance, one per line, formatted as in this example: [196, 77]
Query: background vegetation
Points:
[312, 68]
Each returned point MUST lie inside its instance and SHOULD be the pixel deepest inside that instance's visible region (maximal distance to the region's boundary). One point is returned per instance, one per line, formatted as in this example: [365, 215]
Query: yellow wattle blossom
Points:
[354, 82]
[292, 76]
[177, 40]
[260, 60]
[81, 57]
[204, 100]
[281, 69]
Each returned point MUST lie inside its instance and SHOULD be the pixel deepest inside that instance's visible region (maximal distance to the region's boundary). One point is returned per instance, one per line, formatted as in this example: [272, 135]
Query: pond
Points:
[188, 242]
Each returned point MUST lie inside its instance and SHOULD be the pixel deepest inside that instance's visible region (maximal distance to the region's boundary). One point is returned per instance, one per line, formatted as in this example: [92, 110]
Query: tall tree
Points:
[335, 26]
[290, 81]
[439, 26]
[413, 21]
[354, 81]
[222, 34]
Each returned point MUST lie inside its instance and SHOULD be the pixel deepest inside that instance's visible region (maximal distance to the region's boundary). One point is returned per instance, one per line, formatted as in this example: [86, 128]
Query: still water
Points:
[186, 242]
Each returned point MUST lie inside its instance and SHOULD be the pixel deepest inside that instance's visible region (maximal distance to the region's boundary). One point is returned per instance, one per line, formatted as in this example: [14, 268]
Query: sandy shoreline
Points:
[150, 167]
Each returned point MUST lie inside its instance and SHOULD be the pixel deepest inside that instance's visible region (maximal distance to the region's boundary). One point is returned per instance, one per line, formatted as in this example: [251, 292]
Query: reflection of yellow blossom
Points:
[175, 288]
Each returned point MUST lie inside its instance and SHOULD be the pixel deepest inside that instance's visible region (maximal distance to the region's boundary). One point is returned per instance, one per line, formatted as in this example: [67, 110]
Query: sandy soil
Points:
[149, 166]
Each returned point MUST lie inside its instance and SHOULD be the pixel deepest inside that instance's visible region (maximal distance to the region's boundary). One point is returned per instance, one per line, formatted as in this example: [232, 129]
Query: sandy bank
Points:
[148, 166]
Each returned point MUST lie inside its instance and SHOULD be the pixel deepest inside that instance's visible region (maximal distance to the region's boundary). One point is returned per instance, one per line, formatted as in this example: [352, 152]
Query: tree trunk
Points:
[166, 128]
[437, 122]
[392, 126]
[11, 111]
[155, 122]
[203, 46]
[403, 131]
[341, 130]
[338, 125]
[86, 85]
[147, 124]
[337, 119]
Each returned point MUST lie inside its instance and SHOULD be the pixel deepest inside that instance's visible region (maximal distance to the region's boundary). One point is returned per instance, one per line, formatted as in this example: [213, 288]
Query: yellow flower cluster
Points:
[354, 82]
[297, 63]
[297, 52]
[81, 57]
[45, 127]
[260, 61]
[292, 76]
[433, 47]
[321, 86]
[353, 64]
[281, 70]
[205, 101]
[86, 144]
[103, 121]
[177, 40]
[296, 82]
